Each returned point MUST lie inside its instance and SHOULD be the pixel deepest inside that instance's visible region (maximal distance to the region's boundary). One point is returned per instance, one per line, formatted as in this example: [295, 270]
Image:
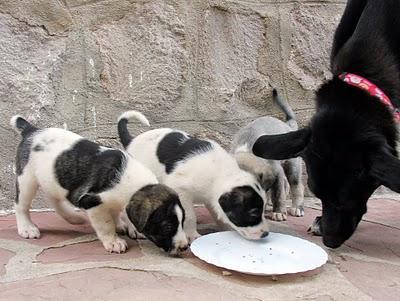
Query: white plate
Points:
[275, 254]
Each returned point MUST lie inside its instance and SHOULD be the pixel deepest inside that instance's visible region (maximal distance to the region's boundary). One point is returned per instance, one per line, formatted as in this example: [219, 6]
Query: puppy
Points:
[273, 175]
[200, 171]
[75, 172]
[349, 147]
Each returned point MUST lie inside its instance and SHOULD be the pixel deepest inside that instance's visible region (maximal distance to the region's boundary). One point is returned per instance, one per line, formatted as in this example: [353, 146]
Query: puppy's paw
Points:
[296, 211]
[29, 231]
[193, 236]
[135, 234]
[315, 228]
[117, 245]
[278, 216]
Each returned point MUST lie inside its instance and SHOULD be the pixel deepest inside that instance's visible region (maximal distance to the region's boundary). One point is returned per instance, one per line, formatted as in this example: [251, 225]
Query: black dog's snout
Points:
[265, 234]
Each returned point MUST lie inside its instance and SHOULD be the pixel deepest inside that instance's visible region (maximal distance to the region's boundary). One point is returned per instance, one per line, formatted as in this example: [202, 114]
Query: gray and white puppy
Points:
[108, 183]
[273, 175]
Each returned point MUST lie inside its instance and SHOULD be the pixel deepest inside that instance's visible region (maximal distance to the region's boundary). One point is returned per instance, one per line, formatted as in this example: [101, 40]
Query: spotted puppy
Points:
[75, 172]
[200, 171]
[272, 174]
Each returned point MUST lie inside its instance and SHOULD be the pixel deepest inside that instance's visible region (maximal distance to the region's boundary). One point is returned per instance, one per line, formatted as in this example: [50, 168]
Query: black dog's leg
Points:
[347, 25]
[315, 228]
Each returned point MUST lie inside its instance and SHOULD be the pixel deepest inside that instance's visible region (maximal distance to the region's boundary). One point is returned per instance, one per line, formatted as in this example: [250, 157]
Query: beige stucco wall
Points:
[206, 67]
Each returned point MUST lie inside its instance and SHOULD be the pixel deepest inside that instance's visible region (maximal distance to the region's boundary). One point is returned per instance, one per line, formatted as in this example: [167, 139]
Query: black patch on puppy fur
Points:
[176, 147]
[243, 206]
[16, 191]
[86, 168]
[23, 153]
[88, 201]
[24, 147]
[38, 148]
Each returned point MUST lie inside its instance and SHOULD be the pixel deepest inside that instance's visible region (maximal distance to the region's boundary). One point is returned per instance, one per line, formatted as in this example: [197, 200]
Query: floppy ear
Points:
[138, 213]
[386, 169]
[284, 146]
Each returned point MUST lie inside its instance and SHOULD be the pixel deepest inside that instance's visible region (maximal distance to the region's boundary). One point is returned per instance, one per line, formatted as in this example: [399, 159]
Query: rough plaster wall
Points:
[206, 67]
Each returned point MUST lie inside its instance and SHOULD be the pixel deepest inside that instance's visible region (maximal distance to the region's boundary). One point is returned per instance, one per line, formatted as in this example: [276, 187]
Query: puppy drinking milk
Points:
[273, 174]
[200, 171]
[74, 171]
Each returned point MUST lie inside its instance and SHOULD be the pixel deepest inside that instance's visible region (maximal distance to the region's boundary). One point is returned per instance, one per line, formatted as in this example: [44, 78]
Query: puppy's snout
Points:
[183, 249]
[265, 234]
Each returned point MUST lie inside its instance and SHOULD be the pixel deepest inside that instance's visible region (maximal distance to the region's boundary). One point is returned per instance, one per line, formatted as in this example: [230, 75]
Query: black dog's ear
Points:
[284, 146]
[386, 169]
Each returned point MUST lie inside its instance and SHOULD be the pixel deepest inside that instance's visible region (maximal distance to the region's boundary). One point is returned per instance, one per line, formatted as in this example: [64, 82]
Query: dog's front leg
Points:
[294, 174]
[278, 197]
[102, 221]
[190, 224]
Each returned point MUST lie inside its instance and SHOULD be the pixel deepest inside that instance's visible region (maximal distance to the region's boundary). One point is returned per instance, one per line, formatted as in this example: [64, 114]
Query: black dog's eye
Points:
[359, 172]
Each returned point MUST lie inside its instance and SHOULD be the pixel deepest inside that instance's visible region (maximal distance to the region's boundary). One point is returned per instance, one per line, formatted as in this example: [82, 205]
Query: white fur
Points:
[179, 240]
[135, 114]
[202, 178]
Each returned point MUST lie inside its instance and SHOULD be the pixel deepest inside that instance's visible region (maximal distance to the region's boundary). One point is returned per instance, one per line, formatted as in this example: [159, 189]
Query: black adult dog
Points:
[349, 146]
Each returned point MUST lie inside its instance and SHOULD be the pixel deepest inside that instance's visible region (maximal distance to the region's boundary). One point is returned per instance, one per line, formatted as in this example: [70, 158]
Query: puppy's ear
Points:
[138, 213]
[284, 146]
[142, 204]
[386, 169]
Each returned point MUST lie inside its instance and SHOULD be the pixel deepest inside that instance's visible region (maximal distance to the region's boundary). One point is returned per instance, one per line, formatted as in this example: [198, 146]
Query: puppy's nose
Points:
[184, 248]
[265, 234]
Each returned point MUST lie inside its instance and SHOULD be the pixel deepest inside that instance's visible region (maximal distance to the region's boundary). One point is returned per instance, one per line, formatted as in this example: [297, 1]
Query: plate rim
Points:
[261, 274]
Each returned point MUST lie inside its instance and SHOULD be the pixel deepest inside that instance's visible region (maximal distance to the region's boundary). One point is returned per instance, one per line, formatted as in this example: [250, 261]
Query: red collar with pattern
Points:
[372, 89]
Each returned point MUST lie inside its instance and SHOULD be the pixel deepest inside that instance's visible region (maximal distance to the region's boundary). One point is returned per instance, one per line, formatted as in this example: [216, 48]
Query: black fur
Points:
[88, 201]
[23, 153]
[349, 146]
[16, 191]
[25, 127]
[243, 206]
[124, 135]
[176, 147]
[38, 148]
[27, 131]
[86, 169]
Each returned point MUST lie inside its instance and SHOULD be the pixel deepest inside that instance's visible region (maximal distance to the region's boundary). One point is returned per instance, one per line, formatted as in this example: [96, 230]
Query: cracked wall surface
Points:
[206, 67]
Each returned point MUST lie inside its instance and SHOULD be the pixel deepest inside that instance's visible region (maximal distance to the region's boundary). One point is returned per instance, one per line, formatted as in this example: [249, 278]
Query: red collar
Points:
[372, 89]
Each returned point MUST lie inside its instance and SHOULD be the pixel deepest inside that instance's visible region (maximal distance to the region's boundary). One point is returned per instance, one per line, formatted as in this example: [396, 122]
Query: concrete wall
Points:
[204, 66]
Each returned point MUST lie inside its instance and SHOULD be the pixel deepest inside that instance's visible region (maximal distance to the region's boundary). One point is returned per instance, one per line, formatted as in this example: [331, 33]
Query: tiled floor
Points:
[68, 263]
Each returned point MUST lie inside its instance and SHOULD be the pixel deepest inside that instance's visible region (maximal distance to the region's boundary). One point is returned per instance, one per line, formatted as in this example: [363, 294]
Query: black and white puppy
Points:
[350, 144]
[200, 171]
[75, 172]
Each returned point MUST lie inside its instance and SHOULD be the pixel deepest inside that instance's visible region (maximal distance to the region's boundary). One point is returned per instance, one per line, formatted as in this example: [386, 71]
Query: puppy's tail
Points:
[21, 126]
[286, 109]
[124, 135]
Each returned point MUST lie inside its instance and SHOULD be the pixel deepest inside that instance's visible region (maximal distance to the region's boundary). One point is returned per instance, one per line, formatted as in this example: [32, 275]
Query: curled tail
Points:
[21, 126]
[124, 135]
[286, 109]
